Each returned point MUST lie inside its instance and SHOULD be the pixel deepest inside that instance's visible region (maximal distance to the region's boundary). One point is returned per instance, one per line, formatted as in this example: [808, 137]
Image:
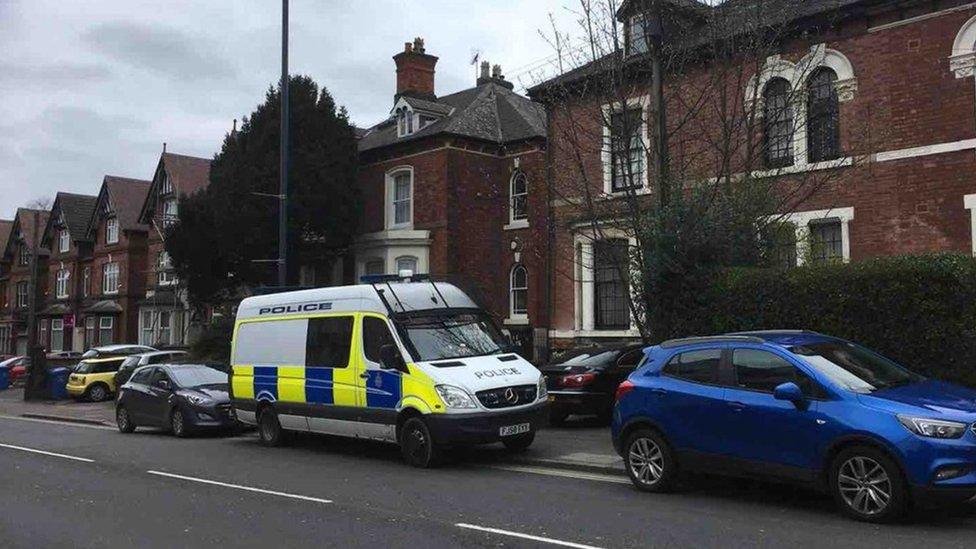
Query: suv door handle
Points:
[737, 406]
[364, 375]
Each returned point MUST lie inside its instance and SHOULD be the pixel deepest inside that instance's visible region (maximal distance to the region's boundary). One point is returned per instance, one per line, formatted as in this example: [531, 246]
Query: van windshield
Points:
[456, 335]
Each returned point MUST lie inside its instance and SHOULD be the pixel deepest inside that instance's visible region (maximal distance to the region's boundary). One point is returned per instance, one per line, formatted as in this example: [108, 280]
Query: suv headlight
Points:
[933, 428]
[543, 390]
[455, 397]
[198, 400]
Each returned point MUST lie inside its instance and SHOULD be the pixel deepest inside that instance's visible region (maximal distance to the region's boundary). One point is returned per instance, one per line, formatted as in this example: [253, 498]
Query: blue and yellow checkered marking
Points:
[384, 389]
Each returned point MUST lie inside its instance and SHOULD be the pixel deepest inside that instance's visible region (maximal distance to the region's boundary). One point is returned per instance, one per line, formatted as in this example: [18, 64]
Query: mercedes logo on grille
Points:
[510, 396]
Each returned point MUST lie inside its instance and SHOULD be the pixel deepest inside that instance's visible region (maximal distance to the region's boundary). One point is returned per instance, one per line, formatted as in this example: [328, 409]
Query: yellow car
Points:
[94, 378]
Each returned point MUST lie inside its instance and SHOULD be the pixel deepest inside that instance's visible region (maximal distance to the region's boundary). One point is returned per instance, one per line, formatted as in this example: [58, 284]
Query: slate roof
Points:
[77, 210]
[188, 174]
[126, 197]
[489, 112]
[733, 17]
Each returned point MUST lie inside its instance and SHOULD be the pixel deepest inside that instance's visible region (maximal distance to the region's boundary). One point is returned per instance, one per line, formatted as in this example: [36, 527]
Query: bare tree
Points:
[683, 134]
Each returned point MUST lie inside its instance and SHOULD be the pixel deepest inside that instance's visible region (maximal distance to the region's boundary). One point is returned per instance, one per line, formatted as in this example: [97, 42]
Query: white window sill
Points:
[611, 195]
[517, 320]
[517, 224]
[803, 168]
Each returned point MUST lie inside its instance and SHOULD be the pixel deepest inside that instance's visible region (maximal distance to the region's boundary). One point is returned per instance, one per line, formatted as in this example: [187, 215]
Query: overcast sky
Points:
[94, 87]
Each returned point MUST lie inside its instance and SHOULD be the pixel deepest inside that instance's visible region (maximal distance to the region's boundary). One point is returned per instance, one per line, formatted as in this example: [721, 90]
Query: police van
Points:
[399, 359]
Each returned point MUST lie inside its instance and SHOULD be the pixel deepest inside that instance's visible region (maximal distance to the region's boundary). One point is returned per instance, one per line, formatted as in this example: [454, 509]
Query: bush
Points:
[918, 310]
[213, 344]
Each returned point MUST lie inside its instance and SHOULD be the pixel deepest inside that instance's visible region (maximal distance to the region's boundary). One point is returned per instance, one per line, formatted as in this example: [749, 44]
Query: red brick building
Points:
[909, 63]
[164, 314]
[118, 264]
[67, 289]
[15, 278]
[454, 185]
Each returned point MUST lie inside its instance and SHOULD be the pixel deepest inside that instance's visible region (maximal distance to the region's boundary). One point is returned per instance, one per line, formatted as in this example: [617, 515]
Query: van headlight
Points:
[543, 390]
[455, 397]
[933, 428]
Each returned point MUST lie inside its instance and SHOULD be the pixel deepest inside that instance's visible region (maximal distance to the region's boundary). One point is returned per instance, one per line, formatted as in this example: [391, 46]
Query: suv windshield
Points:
[458, 335]
[197, 376]
[855, 367]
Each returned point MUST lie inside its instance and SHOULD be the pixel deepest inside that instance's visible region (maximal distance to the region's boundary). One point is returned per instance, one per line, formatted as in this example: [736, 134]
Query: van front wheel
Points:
[269, 428]
[417, 445]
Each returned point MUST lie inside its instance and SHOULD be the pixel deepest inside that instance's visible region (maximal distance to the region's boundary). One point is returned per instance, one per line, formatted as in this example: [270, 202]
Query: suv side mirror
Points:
[789, 392]
[391, 359]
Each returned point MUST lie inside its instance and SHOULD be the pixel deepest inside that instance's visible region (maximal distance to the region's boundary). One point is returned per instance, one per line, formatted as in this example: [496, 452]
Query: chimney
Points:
[415, 71]
[496, 76]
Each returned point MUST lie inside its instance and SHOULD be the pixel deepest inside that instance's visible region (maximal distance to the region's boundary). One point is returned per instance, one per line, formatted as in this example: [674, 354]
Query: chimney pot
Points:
[496, 71]
[407, 47]
[418, 45]
[415, 71]
[485, 67]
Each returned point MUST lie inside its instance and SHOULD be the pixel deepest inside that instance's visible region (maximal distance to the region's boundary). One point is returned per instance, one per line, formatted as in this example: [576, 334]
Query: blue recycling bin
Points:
[57, 381]
[4, 378]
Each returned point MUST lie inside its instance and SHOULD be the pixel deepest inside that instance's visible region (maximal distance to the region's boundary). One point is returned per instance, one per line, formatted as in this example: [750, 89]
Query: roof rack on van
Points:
[711, 339]
[388, 279]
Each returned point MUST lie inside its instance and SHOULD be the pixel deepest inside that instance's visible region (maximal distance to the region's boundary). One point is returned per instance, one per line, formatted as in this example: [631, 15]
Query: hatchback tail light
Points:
[622, 389]
[577, 380]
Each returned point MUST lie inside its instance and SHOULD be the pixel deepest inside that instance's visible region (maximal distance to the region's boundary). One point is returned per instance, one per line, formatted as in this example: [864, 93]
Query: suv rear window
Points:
[696, 366]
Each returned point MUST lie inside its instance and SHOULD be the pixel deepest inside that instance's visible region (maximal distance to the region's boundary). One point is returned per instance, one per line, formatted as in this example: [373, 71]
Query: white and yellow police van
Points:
[402, 360]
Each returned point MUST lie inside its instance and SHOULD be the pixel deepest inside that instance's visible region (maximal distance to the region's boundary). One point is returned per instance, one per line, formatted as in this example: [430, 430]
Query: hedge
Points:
[918, 310]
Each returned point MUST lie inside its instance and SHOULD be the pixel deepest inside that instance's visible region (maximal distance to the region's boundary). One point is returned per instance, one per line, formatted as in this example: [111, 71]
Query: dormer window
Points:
[637, 34]
[64, 241]
[167, 186]
[405, 122]
[112, 230]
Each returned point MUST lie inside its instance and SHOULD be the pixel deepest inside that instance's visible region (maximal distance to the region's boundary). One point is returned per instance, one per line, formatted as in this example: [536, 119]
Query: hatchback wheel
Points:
[269, 428]
[97, 393]
[123, 420]
[650, 464]
[178, 424]
[417, 445]
[868, 486]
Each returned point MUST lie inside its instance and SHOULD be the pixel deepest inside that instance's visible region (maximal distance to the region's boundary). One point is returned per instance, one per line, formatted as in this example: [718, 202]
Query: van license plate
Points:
[514, 429]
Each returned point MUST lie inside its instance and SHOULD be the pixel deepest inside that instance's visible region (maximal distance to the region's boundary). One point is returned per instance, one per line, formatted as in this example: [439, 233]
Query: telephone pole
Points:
[283, 190]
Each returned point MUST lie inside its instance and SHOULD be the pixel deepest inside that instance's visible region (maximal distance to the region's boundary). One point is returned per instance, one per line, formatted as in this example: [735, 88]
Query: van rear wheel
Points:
[417, 445]
[269, 428]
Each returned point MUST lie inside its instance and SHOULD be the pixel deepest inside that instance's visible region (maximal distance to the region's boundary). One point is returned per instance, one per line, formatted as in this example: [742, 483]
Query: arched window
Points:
[518, 196]
[519, 291]
[823, 113]
[777, 124]
[404, 121]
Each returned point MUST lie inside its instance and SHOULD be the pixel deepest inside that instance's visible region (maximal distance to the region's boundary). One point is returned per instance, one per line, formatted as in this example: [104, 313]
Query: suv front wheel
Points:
[650, 463]
[867, 485]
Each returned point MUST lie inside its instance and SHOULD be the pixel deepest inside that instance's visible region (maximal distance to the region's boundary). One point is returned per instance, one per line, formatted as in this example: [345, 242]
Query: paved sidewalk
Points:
[93, 413]
[581, 445]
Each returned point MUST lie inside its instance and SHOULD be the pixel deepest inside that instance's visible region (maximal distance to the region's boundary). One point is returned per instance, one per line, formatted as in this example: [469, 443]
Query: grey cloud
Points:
[159, 49]
[53, 75]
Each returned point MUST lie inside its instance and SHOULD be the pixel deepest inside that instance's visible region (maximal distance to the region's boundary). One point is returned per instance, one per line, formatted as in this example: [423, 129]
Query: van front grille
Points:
[506, 397]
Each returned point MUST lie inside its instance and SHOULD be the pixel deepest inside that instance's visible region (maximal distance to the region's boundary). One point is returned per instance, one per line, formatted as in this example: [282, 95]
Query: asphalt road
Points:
[98, 488]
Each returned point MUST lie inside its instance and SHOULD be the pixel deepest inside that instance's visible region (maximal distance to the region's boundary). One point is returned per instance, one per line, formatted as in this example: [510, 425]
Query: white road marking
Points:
[562, 473]
[239, 487]
[56, 422]
[45, 453]
[525, 536]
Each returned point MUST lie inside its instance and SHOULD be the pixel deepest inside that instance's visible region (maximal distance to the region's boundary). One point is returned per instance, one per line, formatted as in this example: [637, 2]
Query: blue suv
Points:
[798, 406]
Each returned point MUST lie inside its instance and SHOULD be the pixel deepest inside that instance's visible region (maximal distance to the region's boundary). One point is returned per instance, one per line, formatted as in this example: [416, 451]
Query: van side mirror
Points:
[790, 392]
[391, 359]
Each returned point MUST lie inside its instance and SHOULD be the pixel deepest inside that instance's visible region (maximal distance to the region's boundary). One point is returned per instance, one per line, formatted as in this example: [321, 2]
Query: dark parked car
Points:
[17, 368]
[111, 351]
[133, 362]
[180, 397]
[584, 382]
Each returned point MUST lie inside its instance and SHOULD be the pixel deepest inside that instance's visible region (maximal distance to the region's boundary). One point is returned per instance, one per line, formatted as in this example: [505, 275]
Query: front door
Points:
[763, 430]
[158, 397]
[382, 388]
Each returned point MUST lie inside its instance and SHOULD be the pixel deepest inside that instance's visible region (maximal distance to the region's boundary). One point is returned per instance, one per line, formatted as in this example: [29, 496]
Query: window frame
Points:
[64, 241]
[818, 392]
[413, 258]
[59, 322]
[62, 288]
[112, 230]
[23, 294]
[102, 327]
[624, 282]
[643, 103]
[822, 116]
[391, 201]
[351, 323]
[110, 271]
[720, 377]
[370, 319]
[515, 197]
[785, 119]
[170, 217]
[164, 269]
[513, 312]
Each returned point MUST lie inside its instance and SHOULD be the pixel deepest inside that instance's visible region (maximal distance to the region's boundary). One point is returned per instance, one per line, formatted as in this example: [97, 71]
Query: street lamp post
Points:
[283, 170]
